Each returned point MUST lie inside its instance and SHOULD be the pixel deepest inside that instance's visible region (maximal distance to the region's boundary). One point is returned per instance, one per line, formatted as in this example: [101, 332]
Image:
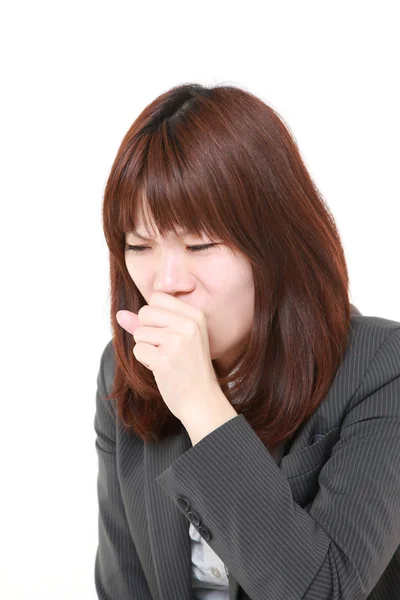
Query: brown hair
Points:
[222, 162]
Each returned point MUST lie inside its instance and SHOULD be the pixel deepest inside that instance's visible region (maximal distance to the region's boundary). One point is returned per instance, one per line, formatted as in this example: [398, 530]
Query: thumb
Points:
[128, 320]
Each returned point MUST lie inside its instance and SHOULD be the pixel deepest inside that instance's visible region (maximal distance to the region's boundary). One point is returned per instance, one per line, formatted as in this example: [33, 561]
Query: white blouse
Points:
[209, 574]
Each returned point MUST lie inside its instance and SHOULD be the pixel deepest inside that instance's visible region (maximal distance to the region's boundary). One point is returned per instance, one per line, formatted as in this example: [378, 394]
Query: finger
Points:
[155, 316]
[151, 316]
[175, 305]
[152, 335]
[146, 354]
[128, 320]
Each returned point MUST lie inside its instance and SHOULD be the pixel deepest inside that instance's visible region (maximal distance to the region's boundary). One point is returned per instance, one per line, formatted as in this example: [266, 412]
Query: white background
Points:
[74, 76]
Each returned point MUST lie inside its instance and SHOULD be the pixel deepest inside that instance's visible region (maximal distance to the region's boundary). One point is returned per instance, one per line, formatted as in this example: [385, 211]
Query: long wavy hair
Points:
[220, 161]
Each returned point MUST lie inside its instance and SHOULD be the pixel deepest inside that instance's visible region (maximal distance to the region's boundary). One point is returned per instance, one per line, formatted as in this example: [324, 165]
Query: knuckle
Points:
[190, 327]
[142, 313]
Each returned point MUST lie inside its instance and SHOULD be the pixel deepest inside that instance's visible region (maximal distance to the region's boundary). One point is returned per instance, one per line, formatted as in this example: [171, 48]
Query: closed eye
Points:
[191, 248]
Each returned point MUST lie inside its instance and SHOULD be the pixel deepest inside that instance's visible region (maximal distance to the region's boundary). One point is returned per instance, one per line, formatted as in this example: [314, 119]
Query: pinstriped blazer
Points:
[319, 520]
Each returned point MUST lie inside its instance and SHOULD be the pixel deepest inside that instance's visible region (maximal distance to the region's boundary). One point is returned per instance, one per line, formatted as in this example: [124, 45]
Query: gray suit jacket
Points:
[319, 521]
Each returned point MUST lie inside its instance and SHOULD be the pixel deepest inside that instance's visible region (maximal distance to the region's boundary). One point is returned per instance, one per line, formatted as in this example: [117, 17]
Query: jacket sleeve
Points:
[337, 547]
[118, 571]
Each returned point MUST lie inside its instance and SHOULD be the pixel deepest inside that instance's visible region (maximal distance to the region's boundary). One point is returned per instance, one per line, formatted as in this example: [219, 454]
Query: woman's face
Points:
[215, 280]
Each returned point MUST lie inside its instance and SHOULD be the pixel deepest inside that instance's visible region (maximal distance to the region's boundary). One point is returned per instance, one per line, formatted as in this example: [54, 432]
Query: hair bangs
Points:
[168, 181]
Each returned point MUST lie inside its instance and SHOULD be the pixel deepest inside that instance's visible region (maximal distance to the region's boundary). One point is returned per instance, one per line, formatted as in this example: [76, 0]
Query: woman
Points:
[247, 415]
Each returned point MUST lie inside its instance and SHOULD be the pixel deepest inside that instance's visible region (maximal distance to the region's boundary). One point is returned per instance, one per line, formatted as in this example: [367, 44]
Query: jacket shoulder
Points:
[105, 381]
[367, 333]
[372, 359]
[107, 362]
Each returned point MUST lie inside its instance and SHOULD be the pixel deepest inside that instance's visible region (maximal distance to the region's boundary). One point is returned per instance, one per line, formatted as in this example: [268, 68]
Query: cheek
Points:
[137, 274]
[222, 276]
[230, 280]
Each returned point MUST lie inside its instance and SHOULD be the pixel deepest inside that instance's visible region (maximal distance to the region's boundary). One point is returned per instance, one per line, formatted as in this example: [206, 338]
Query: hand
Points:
[172, 341]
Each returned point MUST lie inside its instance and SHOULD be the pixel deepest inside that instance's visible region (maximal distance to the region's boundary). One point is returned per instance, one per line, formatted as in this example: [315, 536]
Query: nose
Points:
[172, 276]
